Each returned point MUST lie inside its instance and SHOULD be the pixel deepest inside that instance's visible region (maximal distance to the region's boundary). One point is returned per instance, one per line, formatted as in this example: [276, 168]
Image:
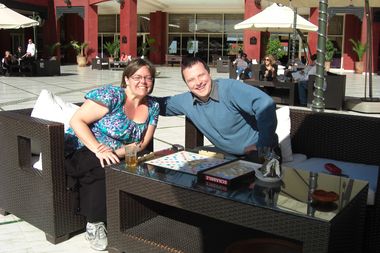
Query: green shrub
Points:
[275, 48]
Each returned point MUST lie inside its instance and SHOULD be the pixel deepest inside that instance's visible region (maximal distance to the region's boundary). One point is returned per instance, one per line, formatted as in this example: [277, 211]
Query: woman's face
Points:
[267, 61]
[141, 82]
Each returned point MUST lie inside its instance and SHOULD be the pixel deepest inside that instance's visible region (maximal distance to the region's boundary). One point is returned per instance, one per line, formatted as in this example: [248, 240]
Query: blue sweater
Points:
[239, 116]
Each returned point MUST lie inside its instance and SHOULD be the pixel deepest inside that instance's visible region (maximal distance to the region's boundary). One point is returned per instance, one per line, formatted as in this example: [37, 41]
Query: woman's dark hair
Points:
[134, 65]
[189, 61]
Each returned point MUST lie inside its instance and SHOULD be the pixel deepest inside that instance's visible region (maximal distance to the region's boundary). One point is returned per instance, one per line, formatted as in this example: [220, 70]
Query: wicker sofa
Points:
[41, 198]
[338, 136]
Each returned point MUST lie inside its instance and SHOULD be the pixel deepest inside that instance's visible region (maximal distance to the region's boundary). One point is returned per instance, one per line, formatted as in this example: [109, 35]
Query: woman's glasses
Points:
[147, 79]
[267, 59]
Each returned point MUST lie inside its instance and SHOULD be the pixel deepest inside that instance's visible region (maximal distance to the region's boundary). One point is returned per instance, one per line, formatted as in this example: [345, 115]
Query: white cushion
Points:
[51, 107]
[283, 133]
[360, 171]
[297, 158]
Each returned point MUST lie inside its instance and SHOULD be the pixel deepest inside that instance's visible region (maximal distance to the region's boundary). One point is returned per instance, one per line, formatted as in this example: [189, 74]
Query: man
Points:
[235, 117]
[30, 49]
[19, 53]
[303, 77]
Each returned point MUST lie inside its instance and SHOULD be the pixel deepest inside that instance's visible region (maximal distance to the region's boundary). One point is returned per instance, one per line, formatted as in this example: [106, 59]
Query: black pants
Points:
[86, 176]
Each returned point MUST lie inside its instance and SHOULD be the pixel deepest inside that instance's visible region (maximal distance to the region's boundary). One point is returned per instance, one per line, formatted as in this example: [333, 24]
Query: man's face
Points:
[198, 80]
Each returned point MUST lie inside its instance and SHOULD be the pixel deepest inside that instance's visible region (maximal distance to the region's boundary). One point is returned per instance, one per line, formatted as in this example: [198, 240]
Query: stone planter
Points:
[81, 60]
[327, 65]
[359, 67]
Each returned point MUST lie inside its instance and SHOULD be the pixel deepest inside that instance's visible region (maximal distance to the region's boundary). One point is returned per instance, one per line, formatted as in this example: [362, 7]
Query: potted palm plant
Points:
[146, 46]
[360, 49]
[330, 51]
[80, 48]
[112, 49]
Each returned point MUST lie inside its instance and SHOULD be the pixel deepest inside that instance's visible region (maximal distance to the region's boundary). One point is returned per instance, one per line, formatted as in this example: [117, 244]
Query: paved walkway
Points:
[17, 236]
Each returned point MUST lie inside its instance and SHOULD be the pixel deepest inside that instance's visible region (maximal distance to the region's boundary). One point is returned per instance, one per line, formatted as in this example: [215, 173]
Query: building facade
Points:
[178, 28]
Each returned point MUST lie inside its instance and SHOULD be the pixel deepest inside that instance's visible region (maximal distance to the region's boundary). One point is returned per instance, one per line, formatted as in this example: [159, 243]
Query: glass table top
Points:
[293, 194]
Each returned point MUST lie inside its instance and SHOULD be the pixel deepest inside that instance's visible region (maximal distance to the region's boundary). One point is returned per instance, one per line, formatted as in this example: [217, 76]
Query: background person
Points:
[237, 118]
[241, 64]
[30, 51]
[268, 70]
[7, 62]
[110, 118]
[302, 77]
[19, 53]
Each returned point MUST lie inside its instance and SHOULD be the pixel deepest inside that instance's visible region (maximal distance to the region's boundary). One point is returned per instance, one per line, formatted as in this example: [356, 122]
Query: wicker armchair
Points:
[336, 136]
[39, 197]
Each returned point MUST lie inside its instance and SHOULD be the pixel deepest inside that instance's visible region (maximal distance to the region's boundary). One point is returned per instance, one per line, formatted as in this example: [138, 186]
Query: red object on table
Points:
[333, 169]
[324, 196]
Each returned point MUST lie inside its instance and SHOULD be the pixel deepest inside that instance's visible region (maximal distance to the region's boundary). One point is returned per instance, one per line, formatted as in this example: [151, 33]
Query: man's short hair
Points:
[189, 61]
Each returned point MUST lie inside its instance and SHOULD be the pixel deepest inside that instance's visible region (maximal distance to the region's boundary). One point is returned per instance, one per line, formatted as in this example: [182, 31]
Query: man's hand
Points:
[249, 149]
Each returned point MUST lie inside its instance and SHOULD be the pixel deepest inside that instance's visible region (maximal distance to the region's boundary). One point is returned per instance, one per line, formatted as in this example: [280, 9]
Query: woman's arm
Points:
[88, 113]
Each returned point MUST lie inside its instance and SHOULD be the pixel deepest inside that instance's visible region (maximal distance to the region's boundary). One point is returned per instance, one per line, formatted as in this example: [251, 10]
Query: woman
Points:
[268, 70]
[7, 61]
[110, 118]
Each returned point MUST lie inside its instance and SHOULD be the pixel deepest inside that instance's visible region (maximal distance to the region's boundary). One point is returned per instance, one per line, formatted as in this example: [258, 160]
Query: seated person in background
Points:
[123, 57]
[19, 53]
[7, 61]
[242, 64]
[237, 118]
[302, 77]
[110, 118]
[268, 70]
[30, 51]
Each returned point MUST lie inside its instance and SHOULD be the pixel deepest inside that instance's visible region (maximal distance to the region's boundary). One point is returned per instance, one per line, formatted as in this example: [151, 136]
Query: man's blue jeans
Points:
[302, 92]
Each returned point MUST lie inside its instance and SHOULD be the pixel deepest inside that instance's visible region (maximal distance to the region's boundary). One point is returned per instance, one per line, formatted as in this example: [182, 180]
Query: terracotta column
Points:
[91, 30]
[128, 27]
[313, 36]
[158, 29]
[252, 50]
[352, 31]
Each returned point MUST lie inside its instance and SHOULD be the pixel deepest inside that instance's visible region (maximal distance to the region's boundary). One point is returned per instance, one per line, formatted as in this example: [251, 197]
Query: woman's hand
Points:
[104, 153]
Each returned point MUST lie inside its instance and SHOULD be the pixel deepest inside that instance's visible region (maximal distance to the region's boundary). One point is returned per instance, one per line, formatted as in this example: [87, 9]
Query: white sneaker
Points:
[96, 234]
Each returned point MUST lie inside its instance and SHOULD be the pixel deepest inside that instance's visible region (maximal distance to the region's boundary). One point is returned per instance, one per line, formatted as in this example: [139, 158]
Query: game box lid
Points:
[231, 173]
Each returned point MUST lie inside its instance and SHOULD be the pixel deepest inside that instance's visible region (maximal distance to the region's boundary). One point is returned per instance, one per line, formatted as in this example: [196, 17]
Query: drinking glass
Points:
[131, 155]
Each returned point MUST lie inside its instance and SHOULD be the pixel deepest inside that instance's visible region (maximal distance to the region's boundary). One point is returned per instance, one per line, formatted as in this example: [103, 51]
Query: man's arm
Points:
[171, 105]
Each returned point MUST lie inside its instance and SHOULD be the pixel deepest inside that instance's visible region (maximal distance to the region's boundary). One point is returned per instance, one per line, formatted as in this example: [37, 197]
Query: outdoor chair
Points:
[100, 63]
[39, 197]
[337, 136]
[334, 94]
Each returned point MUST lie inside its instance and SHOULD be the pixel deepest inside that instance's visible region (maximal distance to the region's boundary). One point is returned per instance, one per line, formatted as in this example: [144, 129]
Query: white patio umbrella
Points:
[276, 18]
[9, 19]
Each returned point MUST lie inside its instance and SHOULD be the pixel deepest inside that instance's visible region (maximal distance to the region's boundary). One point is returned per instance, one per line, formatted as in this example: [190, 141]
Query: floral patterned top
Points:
[115, 128]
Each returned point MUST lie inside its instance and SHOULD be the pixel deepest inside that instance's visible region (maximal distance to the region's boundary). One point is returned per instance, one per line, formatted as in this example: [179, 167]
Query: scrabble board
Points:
[187, 162]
